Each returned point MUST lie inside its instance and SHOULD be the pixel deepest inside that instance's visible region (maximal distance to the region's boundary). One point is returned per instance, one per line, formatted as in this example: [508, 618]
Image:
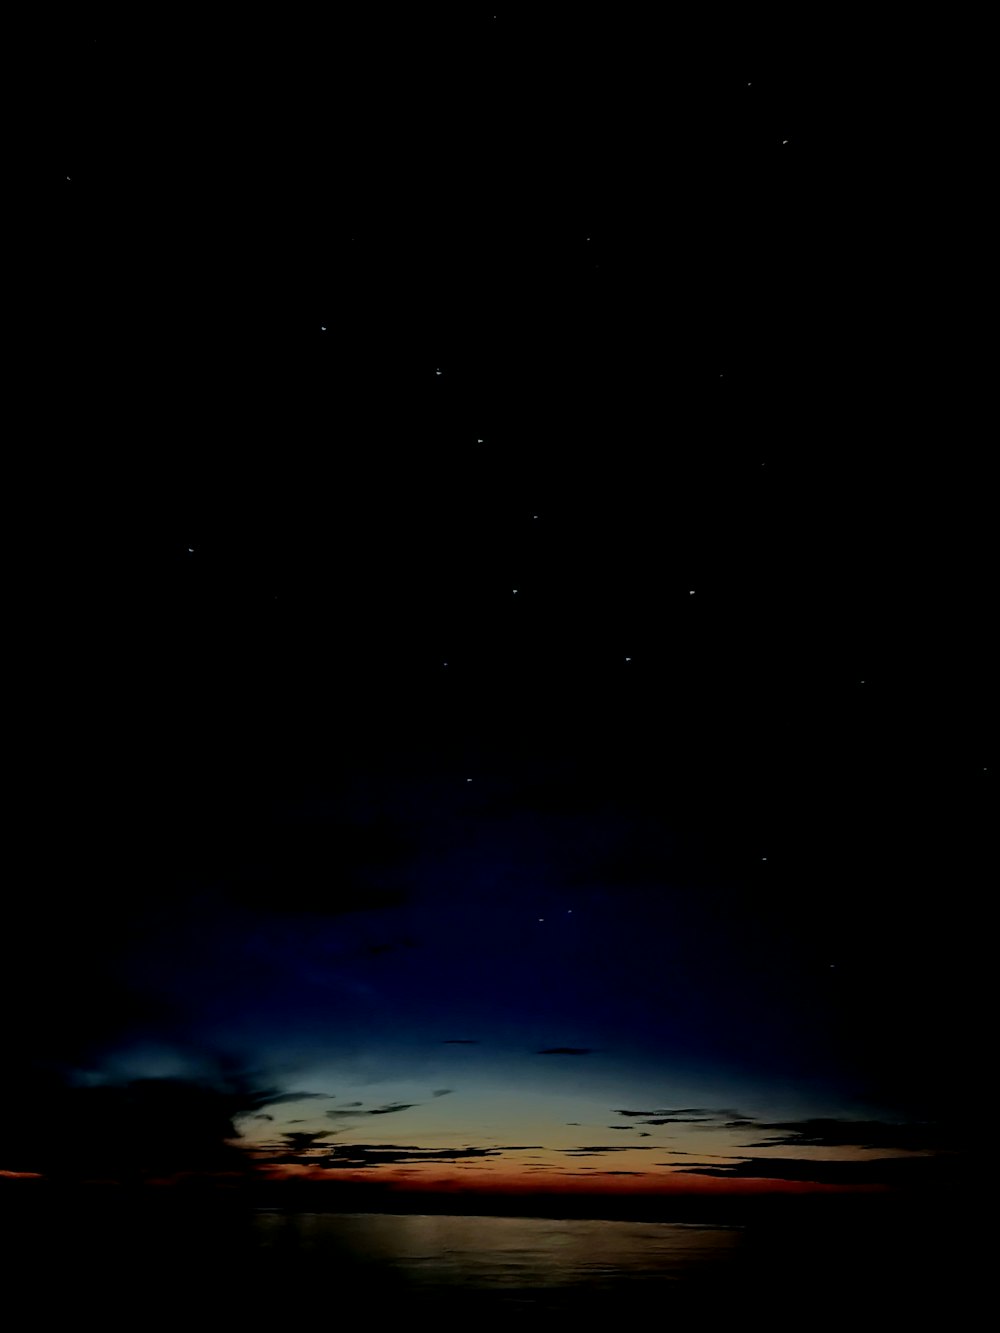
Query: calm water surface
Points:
[506, 1255]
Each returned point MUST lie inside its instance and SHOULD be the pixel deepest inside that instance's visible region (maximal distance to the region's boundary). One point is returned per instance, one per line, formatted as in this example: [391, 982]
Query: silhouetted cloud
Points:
[298, 1140]
[682, 1120]
[353, 1156]
[441, 1092]
[623, 1173]
[898, 1171]
[566, 1050]
[275, 1098]
[146, 1129]
[626, 1128]
[353, 1109]
[588, 1150]
[877, 1134]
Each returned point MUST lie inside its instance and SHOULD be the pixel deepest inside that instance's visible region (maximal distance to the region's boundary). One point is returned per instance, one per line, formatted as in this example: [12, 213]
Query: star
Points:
[438, 371]
[322, 328]
[191, 549]
[468, 779]
[514, 591]
[691, 593]
[628, 659]
[784, 141]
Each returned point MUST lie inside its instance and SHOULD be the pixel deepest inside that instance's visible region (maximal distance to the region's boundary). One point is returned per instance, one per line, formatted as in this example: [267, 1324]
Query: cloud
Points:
[899, 1171]
[131, 1132]
[623, 1173]
[682, 1120]
[442, 1092]
[262, 1115]
[689, 1115]
[626, 1128]
[354, 1109]
[588, 1150]
[876, 1134]
[566, 1050]
[354, 1156]
[298, 1140]
[274, 1098]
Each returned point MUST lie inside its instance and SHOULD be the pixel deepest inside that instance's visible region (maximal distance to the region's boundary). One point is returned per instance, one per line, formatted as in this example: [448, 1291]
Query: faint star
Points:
[514, 591]
[438, 371]
[541, 918]
[784, 141]
[763, 858]
[322, 328]
[468, 779]
[691, 593]
[191, 549]
[628, 659]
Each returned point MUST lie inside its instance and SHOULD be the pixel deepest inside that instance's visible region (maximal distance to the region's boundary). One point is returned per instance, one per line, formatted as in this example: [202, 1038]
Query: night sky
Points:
[499, 614]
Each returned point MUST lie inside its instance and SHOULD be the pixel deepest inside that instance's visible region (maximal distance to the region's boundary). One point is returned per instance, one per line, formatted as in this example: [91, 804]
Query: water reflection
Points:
[505, 1253]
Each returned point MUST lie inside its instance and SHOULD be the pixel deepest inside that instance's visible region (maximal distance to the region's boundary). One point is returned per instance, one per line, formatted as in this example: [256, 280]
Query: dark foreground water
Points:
[267, 1269]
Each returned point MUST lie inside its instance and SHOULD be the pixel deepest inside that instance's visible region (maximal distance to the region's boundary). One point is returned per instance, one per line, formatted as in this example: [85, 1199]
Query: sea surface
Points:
[271, 1269]
[515, 1264]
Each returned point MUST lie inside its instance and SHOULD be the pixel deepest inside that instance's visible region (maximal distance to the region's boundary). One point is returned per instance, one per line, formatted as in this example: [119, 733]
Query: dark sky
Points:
[498, 584]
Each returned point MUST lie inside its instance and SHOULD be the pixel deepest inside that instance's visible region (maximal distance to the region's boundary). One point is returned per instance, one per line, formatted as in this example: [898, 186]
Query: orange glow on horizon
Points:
[447, 1179]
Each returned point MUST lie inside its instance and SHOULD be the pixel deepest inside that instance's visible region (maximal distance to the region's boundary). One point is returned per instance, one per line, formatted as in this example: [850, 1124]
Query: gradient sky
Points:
[505, 676]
